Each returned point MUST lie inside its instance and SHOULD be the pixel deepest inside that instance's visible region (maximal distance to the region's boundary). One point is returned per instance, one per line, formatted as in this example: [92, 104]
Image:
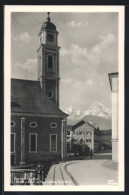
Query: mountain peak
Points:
[96, 109]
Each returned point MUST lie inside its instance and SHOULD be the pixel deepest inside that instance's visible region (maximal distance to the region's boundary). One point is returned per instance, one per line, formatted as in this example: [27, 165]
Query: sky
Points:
[89, 51]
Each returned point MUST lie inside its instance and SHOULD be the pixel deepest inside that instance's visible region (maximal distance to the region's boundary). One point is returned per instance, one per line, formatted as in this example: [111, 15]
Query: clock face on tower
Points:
[50, 37]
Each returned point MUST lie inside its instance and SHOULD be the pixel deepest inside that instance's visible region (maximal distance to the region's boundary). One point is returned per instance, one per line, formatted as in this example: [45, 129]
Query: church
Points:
[38, 126]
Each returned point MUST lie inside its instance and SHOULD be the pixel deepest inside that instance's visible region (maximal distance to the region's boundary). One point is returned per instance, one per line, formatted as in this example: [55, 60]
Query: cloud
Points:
[24, 36]
[79, 86]
[67, 80]
[89, 82]
[79, 55]
[29, 65]
[103, 52]
[74, 24]
[64, 52]
[107, 40]
[106, 43]
[84, 86]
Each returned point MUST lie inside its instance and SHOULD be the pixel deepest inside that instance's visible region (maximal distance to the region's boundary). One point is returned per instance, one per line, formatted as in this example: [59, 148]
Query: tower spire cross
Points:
[48, 16]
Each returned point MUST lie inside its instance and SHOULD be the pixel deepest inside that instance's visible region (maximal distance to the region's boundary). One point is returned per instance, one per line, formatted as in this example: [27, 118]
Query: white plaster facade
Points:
[113, 78]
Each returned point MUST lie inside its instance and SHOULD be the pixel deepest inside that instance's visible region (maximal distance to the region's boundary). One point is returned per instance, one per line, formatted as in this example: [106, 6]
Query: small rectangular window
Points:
[53, 143]
[68, 132]
[50, 94]
[12, 159]
[13, 142]
[33, 142]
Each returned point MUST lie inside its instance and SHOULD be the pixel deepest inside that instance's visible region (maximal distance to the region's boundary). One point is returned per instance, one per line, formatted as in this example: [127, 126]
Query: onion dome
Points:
[48, 25]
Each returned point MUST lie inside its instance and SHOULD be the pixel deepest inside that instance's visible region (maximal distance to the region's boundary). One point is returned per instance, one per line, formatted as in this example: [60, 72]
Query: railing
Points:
[22, 177]
[34, 176]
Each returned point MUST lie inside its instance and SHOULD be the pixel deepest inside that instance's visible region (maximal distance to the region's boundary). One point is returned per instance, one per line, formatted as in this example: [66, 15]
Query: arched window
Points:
[50, 62]
[81, 141]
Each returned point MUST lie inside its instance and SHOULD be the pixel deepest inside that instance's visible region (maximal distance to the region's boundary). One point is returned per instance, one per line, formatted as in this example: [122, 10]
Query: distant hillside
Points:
[102, 123]
[106, 132]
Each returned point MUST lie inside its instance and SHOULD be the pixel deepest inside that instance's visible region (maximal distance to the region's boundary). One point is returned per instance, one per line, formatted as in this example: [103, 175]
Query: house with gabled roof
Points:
[86, 135]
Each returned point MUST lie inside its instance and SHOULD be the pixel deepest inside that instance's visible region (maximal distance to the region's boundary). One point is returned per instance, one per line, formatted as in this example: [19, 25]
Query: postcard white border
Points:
[7, 76]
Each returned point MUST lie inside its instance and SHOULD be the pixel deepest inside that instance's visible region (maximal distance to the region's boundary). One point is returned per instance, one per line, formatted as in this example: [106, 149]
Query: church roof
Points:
[28, 97]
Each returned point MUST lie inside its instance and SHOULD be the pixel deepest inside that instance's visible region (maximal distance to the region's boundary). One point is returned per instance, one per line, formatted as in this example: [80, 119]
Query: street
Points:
[96, 171]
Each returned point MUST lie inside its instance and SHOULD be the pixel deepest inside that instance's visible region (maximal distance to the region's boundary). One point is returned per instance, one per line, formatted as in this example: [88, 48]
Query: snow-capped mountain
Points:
[73, 114]
[96, 109]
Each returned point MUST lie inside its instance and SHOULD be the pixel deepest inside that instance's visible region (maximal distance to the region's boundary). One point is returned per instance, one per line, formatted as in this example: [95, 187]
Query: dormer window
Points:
[50, 63]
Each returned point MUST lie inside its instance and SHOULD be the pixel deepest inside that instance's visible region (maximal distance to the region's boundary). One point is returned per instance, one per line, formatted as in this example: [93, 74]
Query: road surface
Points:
[96, 171]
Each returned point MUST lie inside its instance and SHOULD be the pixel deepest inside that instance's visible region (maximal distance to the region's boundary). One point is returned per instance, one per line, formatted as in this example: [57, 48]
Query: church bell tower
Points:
[48, 60]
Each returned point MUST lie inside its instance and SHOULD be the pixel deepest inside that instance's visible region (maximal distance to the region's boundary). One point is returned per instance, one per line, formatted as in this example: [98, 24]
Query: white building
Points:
[113, 79]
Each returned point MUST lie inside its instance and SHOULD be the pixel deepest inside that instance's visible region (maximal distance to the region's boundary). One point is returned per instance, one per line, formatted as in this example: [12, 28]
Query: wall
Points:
[17, 129]
[95, 141]
[43, 131]
[106, 139]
